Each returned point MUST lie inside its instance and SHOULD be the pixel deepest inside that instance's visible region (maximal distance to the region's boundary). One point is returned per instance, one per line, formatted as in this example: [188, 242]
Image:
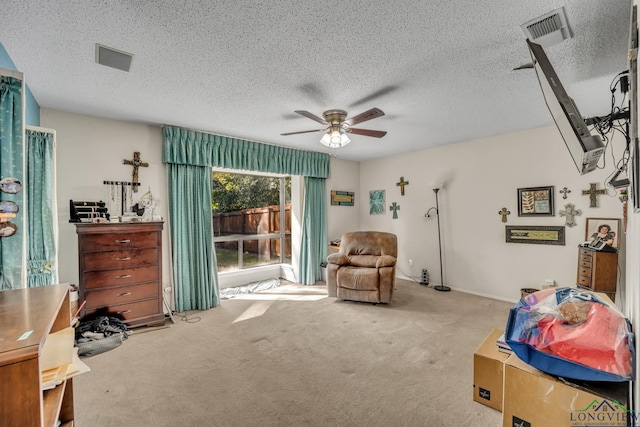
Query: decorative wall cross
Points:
[504, 212]
[570, 212]
[564, 192]
[395, 208]
[136, 163]
[593, 194]
[401, 184]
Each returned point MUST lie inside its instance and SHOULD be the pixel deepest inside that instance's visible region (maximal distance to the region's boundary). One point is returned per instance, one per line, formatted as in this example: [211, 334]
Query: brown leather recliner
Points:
[365, 267]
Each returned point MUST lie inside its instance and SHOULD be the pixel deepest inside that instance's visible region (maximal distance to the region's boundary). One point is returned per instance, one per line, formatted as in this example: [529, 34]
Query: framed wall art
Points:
[605, 230]
[342, 198]
[377, 202]
[536, 234]
[535, 201]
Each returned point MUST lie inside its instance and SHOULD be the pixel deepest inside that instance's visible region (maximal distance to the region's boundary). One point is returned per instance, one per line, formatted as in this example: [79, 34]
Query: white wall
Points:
[345, 176]
[91, 150]
[480, 177]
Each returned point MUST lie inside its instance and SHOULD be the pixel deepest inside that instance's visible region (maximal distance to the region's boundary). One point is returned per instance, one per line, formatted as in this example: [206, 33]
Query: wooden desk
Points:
[27, 317]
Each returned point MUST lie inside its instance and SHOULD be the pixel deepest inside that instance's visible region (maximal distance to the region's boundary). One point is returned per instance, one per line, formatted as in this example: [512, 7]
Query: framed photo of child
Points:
[605, 230]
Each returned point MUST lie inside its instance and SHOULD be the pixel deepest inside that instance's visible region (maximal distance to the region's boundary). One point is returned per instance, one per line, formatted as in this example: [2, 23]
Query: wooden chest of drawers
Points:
[598, 271]
[120, 271]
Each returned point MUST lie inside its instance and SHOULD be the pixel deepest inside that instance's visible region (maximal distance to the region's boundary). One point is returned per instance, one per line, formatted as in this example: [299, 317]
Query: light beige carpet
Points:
[291, 356]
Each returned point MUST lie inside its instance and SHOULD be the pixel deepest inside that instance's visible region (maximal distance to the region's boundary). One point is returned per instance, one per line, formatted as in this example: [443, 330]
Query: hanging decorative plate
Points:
[7, 206]
[8, 229]
[10, 185]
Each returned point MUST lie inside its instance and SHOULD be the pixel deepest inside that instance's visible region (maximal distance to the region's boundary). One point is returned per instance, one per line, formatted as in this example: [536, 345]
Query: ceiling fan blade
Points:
[368, 132]
[312, 116]
[363, 117]
[302, 131]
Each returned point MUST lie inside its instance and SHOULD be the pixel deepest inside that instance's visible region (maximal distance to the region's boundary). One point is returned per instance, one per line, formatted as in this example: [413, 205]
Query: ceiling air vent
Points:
[113, 58]
[548, 29]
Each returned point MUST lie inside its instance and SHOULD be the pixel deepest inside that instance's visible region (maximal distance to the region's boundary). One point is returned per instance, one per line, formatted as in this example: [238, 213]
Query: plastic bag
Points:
[572, 333]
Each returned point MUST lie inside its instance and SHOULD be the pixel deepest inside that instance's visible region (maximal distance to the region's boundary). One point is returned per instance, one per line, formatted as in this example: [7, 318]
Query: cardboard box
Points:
[488, 364]
[535, 399]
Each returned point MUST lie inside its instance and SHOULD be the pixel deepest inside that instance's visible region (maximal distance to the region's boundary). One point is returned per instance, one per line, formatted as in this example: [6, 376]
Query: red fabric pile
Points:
[600, 342]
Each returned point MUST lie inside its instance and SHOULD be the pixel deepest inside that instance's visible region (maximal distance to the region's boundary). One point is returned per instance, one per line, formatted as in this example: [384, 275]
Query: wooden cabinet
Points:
[598, 271]
[120, 271]
[27, 317]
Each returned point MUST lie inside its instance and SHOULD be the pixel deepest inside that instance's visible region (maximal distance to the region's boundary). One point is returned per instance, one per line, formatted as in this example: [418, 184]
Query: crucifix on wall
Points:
[504, 212]
[401, 184]
[136, 163]
[570, 213]
[593, 194]
[394, 208]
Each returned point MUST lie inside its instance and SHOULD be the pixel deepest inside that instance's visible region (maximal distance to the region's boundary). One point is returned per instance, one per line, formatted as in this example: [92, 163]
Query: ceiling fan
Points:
[338, 126]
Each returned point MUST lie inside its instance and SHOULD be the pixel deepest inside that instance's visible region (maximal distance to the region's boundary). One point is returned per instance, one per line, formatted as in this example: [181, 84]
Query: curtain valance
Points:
[189, 147]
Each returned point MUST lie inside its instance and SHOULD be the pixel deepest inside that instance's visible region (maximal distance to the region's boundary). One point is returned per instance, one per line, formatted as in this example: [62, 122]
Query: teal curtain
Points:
[314, 230]
[11, 169]
[189, 147]
[194, 259]
[41, 244]
[202, 151]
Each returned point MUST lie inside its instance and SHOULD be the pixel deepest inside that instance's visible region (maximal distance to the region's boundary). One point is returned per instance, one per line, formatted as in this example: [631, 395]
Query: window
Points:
[248, 213]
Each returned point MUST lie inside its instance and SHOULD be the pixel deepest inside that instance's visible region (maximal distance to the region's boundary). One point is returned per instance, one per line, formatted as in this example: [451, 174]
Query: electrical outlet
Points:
[410, 261]
[549, 282]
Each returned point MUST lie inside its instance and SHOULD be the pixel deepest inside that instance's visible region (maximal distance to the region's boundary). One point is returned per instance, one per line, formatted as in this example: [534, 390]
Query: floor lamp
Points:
[441, 286]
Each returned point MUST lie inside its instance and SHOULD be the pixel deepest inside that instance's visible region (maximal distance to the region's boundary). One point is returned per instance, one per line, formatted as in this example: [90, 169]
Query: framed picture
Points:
[536, 234]
[605, 230]
[535, 201]
[342, 198]
[377, 202]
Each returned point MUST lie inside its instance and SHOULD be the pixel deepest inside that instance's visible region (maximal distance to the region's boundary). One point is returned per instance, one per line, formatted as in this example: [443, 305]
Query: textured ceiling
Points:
[440, 70]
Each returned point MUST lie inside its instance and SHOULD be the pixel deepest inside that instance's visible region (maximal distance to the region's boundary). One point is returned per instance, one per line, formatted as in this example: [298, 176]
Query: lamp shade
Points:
[335, 139]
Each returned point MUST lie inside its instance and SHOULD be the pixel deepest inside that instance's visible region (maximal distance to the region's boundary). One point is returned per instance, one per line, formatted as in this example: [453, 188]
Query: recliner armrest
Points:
[385, 261]
[338, 258]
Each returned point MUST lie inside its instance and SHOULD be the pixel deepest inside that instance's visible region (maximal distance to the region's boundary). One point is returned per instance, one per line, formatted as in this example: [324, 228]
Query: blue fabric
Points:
[314, 231]
[11, 166]
[41, 245]
[195, 273]
[189, 147]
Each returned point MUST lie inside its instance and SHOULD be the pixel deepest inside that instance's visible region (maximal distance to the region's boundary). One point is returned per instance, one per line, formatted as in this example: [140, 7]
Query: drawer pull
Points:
[123, 241]
[124, 312]
[124, 259]
[124, 276]
[124, 294]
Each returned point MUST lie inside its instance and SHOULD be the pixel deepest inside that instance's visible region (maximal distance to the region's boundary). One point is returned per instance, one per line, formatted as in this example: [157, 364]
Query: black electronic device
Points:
[87, 211]
[599, 245]
[586, 149]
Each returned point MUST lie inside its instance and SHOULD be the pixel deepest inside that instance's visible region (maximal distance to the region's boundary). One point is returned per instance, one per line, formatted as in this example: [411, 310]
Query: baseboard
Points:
[464, 291]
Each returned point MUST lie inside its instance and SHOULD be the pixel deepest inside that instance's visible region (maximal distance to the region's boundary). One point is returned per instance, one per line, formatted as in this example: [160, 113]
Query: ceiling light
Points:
[335, 138]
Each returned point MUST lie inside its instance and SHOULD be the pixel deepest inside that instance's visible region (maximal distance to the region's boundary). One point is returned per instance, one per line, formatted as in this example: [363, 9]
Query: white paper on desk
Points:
[77, 367]
[57, 349]
[53, 377]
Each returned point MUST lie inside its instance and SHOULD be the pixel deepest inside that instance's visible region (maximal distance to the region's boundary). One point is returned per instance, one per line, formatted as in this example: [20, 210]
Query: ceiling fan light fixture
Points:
[339, 126]
[335, 139]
